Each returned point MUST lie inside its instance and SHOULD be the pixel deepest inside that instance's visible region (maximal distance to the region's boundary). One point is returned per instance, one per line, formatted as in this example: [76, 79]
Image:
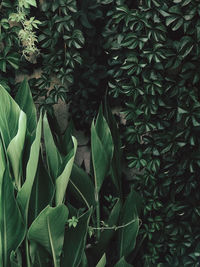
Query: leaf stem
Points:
[27, 254]
[97, 213]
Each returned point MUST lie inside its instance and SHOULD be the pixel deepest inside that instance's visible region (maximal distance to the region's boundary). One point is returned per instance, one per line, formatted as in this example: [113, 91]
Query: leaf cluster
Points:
[48, 204]
[153, 50]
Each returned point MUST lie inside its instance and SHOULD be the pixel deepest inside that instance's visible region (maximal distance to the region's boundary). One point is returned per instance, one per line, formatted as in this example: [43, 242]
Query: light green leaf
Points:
[9, 116]
[74, 244]
[24, 194]
[102, 149]
[102, 262]
[48, 230]
[63, 179]
[25, 101]
[15, 149]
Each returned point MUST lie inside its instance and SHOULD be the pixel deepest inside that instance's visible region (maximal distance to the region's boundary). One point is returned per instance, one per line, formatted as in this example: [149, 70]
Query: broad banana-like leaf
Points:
[102, 262]
[66, 168]
[74, 244]
[53, 156]
[102, 149]
[25, 101]
[123, 263]
[9, 116]
[130, 222]
[15, 149]
[12, 229]
[24, 194]
[81, 186]
[48, 230]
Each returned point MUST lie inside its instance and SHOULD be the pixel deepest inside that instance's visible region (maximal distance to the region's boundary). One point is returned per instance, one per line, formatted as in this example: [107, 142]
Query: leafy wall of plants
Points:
[145, 54]
[154, 50]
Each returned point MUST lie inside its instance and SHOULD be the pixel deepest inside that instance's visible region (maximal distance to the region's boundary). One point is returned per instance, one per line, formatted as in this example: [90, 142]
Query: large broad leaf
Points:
[25, 101]
[52, 154]
[9, 116]
[12, 230]
[122, 263]
[74, 244]
[66, 168]
[130, 225]
[81, 186]
[102, 149]
[24, 194]
[15, 149]
[48, 230]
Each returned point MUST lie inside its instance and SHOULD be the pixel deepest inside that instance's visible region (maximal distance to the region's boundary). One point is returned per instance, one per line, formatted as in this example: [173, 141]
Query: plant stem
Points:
[97, 214]
[27, 254]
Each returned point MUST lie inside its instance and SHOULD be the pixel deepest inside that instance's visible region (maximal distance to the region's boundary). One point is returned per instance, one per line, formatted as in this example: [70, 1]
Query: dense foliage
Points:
[154, 64]
[145, 55]
[53, 213]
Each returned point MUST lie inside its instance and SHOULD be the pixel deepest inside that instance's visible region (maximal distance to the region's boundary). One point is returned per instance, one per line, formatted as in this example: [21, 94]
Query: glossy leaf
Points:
[102, 149]
[25, 101]
[9, 116]
[48, 230]
[24, 194]
[102, 262]
[63, 178]
[15, 149]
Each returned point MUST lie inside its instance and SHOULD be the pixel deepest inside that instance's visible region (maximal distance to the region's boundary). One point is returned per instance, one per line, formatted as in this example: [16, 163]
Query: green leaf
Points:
[3, 64]
[102, 262]
[25, 101]
[102, 149]
[75, 239]
[12, 230]
[9, 116]
[52, 154]
[31, 3]
[63, 179]
[130, 221]
[81, 186]
[24, 194]
[42, 183]
[15, 149]
[117, 154]
[48, 230]
[122, 263]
